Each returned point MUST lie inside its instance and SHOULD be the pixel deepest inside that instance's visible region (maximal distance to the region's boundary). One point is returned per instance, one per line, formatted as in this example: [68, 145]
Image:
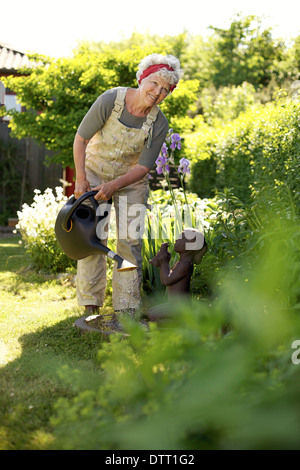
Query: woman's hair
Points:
[170, 76]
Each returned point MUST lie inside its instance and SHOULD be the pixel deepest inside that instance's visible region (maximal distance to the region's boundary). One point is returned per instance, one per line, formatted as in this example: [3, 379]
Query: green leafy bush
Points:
[218, 375]
[227, 103]
[259, 149]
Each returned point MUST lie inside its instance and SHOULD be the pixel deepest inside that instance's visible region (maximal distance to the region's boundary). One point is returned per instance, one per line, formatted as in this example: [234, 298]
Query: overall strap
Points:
[119, 102]
[148, 124]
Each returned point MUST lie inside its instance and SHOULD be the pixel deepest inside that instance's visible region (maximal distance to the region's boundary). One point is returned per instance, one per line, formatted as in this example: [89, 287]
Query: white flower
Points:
[38, 220]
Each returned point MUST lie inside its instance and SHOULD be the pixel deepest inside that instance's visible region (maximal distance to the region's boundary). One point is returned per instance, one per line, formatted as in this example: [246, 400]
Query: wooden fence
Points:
[23, 170]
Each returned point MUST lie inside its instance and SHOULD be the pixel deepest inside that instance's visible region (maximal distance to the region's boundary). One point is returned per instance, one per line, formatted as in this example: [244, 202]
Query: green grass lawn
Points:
[38, 342]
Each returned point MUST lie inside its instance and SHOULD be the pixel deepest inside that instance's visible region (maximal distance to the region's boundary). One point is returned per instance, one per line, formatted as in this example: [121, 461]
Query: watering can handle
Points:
[77, 202]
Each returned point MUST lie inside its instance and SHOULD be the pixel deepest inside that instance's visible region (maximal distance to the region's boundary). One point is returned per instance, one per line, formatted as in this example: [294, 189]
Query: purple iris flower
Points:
[161, 160]
[184, 166]
[175, 138]
[164, 149]
[162, 165]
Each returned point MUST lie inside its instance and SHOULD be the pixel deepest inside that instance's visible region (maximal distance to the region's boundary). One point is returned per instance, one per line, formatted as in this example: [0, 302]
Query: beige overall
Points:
[112, 152]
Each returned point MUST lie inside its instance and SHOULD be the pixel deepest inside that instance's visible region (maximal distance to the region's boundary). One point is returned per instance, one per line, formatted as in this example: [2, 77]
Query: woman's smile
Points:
[154, 98]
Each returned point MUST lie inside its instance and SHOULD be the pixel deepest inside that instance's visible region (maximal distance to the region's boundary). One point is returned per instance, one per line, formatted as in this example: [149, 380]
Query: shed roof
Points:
[11, 59]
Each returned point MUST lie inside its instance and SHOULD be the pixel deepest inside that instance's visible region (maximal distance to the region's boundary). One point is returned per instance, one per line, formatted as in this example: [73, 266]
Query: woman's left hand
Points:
[105, 191]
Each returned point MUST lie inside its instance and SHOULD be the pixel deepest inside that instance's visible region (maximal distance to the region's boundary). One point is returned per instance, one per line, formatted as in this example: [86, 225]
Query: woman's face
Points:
[154, 89]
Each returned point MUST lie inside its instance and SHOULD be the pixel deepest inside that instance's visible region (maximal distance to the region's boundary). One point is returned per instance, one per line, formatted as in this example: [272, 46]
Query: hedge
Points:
[259, 149]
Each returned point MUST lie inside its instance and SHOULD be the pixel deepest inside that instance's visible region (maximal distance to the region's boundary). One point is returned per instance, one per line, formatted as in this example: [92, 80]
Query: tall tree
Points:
[243, 52]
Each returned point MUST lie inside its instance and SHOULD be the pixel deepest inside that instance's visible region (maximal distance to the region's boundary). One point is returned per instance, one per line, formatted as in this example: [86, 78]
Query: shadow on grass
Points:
[55, 362]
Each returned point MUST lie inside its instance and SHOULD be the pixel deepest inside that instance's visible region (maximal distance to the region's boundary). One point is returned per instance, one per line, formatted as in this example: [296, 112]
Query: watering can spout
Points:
[122, 264]
[126, 266]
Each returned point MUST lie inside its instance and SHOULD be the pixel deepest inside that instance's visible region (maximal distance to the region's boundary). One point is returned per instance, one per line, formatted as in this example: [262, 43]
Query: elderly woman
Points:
[115, 147]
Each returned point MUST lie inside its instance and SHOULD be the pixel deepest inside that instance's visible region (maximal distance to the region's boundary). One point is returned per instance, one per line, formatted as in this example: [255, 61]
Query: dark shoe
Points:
[129, 311]
[91, 309]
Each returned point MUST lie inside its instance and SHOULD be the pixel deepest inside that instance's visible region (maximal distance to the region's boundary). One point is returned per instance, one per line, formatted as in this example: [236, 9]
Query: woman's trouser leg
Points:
[130, 207]
[91, 280]
[91, 271]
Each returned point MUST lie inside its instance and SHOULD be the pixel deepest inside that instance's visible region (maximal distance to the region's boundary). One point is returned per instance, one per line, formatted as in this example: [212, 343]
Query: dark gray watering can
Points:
[75, 230]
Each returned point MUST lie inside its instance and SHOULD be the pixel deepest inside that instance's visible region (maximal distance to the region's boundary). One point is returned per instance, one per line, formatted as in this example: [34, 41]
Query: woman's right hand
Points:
[81, 187]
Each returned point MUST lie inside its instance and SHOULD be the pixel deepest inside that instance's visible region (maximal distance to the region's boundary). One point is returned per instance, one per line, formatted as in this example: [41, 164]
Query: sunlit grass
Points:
[37, 339]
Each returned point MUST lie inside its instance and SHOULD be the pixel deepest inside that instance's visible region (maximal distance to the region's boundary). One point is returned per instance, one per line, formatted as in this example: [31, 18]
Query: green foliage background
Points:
[218, 375]
[259, 148]
[58, 93]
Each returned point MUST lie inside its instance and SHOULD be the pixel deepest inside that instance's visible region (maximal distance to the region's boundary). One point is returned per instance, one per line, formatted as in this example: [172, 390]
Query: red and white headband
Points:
[154, 69]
